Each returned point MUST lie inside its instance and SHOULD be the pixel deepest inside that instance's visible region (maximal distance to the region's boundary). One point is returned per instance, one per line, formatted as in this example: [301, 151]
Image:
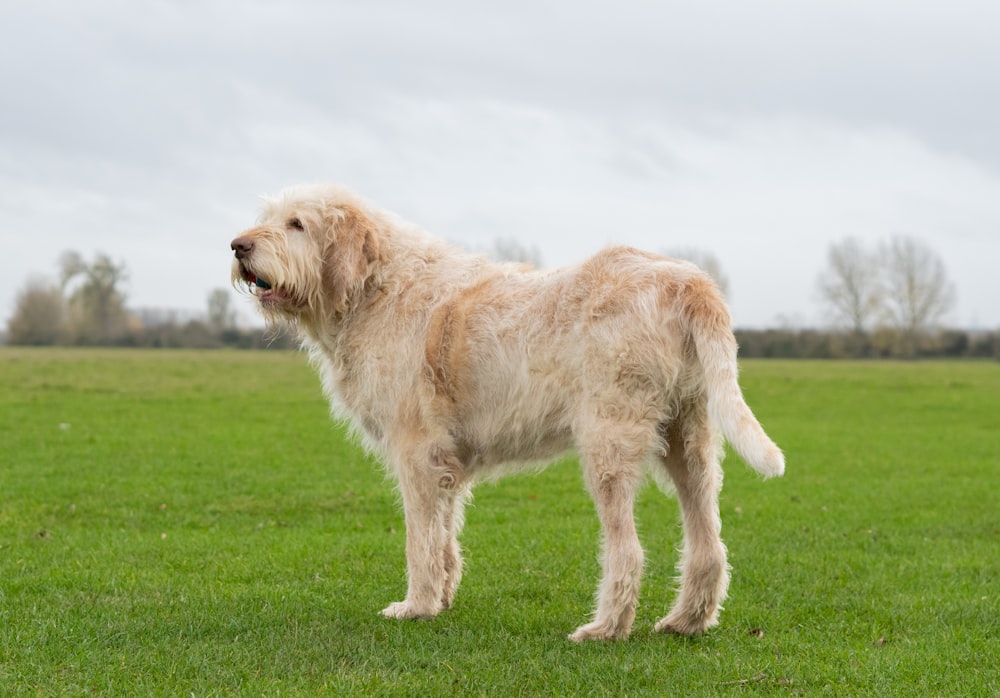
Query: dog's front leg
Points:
[433, 563]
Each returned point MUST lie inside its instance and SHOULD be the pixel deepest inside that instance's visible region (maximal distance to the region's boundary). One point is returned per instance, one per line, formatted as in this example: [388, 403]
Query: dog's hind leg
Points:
[612, 455]
[432, 489]
[692, 461]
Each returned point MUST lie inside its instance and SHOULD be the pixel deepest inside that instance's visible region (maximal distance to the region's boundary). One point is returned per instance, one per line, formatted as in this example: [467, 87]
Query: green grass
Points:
[185, 523]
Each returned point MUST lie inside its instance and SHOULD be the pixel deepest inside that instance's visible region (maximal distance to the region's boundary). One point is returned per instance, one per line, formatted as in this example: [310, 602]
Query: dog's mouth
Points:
[254, 280]
[262, 288]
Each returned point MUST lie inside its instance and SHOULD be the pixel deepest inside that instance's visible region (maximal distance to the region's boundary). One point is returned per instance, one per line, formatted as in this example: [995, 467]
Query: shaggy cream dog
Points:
[454, 369]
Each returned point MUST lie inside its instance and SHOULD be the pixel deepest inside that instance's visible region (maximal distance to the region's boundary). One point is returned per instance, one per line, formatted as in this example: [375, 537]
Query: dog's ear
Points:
[352, 248]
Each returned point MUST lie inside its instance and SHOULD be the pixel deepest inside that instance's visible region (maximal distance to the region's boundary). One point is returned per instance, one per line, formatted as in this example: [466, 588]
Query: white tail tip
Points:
[773, 463]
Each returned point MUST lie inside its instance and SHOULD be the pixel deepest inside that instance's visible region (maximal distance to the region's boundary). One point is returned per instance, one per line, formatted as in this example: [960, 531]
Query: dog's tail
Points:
[709, 324]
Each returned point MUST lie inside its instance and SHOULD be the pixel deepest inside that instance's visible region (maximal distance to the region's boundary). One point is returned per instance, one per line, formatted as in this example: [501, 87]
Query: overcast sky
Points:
[760, 132]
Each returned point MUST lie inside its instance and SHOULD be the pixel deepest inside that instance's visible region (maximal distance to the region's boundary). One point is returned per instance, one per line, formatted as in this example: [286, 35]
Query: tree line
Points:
[889, 297]
[884, 300]
[87, 307]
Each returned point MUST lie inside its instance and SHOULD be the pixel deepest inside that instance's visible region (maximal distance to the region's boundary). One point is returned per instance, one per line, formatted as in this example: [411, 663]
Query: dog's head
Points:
[310, 255]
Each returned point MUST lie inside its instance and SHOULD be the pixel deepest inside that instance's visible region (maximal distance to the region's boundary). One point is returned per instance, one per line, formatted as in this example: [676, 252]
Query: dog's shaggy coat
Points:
[451, 366]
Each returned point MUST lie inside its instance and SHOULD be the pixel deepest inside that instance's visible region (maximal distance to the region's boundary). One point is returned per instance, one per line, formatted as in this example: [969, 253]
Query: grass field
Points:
[184, 523]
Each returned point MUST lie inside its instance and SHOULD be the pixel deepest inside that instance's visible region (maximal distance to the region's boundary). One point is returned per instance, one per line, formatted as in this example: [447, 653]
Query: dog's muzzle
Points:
[242, 247]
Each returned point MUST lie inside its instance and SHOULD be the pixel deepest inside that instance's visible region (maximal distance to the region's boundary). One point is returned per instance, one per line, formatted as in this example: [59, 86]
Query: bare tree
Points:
[39, 315]
[851, 285]
[918, 292]
[707, 261]
[221, 313]
[510, 250]
[97, 302]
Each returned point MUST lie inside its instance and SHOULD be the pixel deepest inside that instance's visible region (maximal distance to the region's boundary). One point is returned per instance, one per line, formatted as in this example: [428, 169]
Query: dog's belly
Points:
[525, 418]
[519, 438]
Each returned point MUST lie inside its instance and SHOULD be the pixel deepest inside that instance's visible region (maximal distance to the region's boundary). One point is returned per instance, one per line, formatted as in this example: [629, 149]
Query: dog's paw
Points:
[681, 624]
[598, 631]
[405, 609]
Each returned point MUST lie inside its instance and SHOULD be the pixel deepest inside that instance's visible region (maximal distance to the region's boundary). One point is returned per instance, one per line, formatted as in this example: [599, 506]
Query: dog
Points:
[453, 369]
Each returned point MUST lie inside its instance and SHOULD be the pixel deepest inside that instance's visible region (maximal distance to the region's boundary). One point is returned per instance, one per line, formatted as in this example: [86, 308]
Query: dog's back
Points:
[515, 355]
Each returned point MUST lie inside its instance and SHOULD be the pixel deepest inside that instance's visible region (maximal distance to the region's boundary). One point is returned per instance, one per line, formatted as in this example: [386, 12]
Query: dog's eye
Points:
[296, 223]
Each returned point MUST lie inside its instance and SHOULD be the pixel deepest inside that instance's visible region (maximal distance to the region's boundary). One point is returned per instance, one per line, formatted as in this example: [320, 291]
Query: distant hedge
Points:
[881, 344]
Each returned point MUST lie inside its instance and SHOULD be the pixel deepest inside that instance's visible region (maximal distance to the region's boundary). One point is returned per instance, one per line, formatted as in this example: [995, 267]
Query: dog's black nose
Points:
[243, 246]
